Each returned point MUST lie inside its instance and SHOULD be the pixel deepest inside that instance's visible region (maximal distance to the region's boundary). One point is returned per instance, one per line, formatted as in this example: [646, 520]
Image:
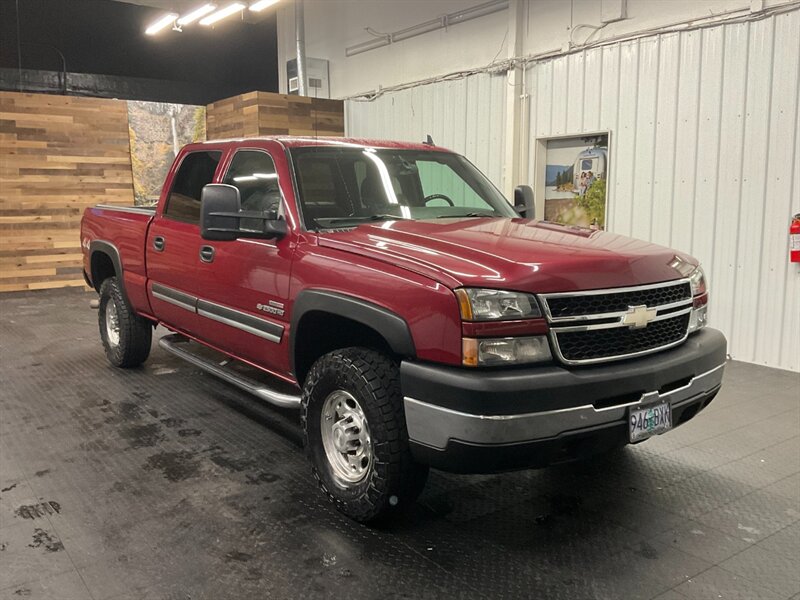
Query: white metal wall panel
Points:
[465, 115]
[705, 158]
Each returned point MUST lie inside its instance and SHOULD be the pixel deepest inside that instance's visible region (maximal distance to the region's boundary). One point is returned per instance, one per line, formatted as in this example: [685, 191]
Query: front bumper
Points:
[484, 421]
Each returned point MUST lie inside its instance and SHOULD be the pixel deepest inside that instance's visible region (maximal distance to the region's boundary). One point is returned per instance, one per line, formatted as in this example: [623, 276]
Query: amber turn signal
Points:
[464, 305]
[469, 352]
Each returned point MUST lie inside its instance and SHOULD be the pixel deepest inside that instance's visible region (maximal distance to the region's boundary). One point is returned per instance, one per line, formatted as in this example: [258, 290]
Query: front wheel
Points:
[126, 336]
[355, 434]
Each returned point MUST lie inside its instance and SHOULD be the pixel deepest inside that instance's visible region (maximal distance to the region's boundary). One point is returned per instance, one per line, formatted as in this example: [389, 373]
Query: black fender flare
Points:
[110, 250]
[391, 326]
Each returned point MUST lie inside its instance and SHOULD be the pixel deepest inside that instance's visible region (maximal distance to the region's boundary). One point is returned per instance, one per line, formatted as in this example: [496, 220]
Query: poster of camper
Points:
[157, 130]
[575, 181]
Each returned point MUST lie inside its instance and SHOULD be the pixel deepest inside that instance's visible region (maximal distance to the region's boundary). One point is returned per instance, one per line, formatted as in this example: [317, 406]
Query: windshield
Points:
[341, 187]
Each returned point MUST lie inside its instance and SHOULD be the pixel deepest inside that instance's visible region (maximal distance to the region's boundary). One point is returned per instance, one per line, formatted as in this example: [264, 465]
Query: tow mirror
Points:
[222, 217]
[220, 205]
[523, 201]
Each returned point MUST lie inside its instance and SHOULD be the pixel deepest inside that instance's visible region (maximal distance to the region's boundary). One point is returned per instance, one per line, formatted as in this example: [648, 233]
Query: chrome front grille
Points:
[609, 302]
[613, 324]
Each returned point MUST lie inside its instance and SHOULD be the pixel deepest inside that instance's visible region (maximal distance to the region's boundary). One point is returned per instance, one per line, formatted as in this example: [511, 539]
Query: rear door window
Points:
[196, 171]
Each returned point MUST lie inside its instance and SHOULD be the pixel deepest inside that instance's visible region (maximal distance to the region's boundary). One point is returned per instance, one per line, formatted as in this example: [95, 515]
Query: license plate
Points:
[649, 420]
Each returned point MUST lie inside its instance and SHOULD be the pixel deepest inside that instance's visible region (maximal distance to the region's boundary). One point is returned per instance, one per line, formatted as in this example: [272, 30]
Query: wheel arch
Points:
[318, 315]
[105, 262]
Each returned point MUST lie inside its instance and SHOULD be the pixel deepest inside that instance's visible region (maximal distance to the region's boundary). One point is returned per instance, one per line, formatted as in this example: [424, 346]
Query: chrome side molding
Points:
[231, 317]
[178, 345]
[141, 210]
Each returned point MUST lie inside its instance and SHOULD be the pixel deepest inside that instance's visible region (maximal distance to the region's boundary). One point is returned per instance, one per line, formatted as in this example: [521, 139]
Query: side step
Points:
[180, 346]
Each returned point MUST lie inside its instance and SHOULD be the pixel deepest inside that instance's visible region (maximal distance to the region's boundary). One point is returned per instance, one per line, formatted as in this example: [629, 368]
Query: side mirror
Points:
[220, 205]
[523, 201]
[222, 217]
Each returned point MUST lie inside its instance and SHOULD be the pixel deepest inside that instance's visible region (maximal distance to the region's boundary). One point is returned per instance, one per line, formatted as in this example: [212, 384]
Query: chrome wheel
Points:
[112, 324]
[345, 437]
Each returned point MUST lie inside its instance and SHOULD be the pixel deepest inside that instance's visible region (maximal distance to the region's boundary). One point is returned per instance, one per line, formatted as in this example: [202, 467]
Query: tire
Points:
[126, 342]
[385, 480]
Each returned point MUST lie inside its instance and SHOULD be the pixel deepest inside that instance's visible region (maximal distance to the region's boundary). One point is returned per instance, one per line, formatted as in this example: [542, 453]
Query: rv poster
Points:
[575, 181]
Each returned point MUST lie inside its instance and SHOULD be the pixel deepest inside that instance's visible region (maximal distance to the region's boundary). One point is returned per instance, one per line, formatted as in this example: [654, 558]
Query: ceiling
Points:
[106, 38]
[172, 5]
[182, 6]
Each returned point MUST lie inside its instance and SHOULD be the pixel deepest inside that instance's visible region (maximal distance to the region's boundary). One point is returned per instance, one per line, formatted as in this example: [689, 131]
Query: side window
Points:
[253, 172]
[438, 178]
[322, 189]
[196, 170]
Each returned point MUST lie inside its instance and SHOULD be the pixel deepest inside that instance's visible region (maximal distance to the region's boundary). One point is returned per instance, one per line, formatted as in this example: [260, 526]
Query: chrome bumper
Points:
[434, 426]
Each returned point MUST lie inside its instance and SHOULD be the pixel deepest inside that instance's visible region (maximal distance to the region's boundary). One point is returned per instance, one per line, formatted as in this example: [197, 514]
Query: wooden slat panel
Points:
[264, 113]
[58, 155]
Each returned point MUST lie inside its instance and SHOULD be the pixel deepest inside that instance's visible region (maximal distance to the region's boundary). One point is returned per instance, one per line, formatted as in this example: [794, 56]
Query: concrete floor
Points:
[164, 483]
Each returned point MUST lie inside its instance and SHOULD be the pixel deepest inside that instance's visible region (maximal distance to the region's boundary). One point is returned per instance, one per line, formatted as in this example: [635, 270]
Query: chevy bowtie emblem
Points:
[639, 316]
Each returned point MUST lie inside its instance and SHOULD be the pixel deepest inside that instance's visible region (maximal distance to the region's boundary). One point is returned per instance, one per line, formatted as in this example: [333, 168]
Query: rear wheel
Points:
[355, 434]
[126, 336]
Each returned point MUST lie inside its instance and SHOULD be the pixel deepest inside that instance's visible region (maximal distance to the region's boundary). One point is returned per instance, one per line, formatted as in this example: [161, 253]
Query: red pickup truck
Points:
[416, 319]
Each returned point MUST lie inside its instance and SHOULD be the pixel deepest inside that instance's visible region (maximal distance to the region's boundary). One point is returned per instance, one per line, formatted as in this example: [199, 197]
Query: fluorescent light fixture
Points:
[222, 13]
[164, 21]
[366, 46]
[262, 4]
[425, 27]
[196, 14]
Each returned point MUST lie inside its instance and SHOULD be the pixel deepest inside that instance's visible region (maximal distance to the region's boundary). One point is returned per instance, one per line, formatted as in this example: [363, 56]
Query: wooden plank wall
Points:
[233, 117]
[265, 113]
[58, 155]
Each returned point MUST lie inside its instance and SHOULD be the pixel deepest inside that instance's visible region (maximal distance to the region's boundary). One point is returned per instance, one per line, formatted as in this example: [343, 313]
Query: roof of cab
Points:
[310, 141]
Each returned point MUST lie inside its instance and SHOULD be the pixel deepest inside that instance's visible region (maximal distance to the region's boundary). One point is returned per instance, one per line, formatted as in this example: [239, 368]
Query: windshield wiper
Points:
[471, 214]
[378, 217]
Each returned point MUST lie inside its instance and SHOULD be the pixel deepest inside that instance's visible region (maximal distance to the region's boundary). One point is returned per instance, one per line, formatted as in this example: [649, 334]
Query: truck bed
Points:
[125, 228]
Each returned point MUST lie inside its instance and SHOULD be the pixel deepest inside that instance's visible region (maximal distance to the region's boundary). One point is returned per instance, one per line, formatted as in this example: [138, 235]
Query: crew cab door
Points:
[173, 241]
[243, 284]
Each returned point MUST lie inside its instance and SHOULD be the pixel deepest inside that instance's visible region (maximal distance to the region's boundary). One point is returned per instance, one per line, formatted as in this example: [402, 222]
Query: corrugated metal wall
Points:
[705, 157]
[466, 115]
[705, 153]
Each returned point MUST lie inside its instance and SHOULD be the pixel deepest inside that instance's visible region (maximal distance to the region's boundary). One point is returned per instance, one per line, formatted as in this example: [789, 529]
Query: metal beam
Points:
[300, 35]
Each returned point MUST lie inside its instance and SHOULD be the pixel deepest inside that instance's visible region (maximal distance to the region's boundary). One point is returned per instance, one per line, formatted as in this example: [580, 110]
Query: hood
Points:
[515, 254]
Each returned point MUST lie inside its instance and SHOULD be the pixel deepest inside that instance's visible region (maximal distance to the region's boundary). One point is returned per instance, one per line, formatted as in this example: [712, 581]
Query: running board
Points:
[178, 345]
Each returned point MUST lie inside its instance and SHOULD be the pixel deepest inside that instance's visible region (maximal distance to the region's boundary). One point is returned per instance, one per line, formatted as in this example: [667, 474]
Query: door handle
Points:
[207, 253]
[159, 243]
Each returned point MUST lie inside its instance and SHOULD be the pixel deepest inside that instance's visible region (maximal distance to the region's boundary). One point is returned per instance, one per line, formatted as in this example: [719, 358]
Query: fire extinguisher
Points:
[794, 239]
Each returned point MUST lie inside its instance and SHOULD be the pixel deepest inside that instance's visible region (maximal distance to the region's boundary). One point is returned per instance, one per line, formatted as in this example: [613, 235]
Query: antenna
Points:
[429, 141]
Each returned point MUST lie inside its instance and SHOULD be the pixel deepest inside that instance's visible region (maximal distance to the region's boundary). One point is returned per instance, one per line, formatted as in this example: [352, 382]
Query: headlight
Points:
[698, 281]
[478, 304]
[489, 352]
[699, 315]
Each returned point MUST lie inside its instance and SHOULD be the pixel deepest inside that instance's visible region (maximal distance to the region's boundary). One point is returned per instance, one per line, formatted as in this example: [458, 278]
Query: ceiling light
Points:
[164, 21]
[196, 14]
[262, 4]
[222, 13]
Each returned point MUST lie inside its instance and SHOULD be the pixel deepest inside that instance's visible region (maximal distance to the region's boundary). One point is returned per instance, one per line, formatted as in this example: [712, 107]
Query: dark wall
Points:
[107, 38]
